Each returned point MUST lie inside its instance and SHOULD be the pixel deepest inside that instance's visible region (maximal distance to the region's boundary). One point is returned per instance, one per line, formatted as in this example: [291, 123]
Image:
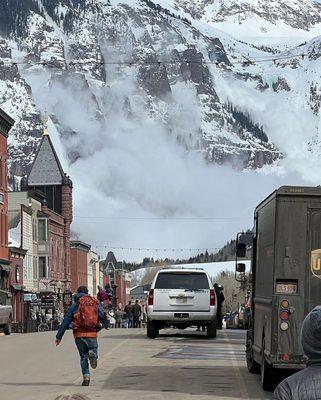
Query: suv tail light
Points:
[151, 297]
[212, 297]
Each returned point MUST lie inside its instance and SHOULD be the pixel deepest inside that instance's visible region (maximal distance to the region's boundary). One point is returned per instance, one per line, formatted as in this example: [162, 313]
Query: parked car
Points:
[232, 320]
[5, 318]
[241, 317]
[181, 298]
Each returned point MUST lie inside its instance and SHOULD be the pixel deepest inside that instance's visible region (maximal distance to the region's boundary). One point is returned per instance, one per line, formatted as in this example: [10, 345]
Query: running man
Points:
[85, 315]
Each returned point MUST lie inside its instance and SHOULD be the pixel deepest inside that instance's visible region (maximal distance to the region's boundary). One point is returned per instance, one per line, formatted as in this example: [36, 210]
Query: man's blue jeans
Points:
[83, 346]
[130, 322]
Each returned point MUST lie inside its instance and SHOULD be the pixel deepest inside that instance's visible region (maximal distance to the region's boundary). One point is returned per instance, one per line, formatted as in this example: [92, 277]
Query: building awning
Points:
[17, 287]
[4, 267]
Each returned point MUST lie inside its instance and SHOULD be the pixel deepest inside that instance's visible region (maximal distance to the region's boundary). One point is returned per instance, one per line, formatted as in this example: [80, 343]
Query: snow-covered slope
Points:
[213, 269]
[258, 20]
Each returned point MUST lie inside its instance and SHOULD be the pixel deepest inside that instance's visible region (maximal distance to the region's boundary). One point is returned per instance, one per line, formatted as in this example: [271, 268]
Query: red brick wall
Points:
[16, 262]
[59, 251]
[4, 254]
[66, 212]
[78, 264]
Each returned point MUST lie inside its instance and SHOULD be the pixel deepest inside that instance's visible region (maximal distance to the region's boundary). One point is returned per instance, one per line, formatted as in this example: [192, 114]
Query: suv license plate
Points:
[181, 315]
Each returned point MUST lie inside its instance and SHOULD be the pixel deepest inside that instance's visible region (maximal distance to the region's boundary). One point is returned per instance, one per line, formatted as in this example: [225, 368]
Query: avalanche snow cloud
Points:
[176, 149]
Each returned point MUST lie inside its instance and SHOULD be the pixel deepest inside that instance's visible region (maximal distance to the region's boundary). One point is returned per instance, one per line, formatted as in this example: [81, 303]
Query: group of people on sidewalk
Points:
[132, 316]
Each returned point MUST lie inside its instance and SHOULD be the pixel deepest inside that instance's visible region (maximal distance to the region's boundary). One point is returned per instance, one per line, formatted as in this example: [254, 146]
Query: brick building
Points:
[118, 278]
[52, 228]
[79, 264]
[16, 255]
[6, 123]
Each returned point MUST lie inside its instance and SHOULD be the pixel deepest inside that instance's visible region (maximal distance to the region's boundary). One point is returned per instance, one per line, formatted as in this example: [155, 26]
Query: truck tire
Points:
[7, 329]
[268, 380]
[252, 366]
[211, 330]
[152, 329]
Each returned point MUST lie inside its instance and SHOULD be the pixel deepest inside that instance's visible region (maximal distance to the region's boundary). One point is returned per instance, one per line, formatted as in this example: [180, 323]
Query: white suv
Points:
[181, 298]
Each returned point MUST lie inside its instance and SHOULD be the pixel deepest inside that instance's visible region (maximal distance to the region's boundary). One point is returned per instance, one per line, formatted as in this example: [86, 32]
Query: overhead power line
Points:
[160, 249]
[245, 61]
[160, 218]
[153, 249]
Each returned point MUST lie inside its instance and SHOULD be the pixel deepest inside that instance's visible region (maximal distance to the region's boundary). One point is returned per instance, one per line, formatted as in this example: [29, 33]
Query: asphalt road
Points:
[174, 366]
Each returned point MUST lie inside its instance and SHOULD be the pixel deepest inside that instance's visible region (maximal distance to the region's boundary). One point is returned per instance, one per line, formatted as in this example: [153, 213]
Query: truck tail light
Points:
[284, 304]
[284, 315]
[284, 326]
[151, 297]
[212, 297]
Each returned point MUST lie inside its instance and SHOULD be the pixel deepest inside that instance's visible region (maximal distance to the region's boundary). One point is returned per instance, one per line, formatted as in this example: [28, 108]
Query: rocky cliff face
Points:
[137, 59]
[294, 13]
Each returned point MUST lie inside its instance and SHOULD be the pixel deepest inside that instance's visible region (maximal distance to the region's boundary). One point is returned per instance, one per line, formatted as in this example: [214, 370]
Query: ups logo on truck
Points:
[316, 262]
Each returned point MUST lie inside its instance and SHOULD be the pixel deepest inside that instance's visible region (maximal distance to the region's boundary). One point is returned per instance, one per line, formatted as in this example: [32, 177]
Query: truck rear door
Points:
[296, 298]
[182, 291]
[313, 283]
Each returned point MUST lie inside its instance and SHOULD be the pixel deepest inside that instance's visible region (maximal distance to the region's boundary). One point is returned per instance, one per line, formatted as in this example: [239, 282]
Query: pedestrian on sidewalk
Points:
[112, 320]
[119, 316]
[129, 314]
[137, 311]
[85, 315]
[105, 302]
[102, 296]
[306, 384]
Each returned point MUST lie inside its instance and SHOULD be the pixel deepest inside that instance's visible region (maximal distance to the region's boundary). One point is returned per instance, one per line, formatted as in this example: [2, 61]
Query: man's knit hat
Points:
[311, 334]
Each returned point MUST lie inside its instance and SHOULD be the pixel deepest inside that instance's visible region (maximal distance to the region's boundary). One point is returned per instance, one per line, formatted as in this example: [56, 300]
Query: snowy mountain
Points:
[258, 19]
[141, 92]
[74, 39]
[299, 14]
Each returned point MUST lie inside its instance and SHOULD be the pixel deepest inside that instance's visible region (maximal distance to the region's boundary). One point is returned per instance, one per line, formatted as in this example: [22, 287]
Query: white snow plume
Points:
[143, 174]
[135, 186]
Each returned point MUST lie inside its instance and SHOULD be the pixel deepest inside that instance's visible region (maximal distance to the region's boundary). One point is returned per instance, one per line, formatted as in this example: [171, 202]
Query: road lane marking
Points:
[236, 369]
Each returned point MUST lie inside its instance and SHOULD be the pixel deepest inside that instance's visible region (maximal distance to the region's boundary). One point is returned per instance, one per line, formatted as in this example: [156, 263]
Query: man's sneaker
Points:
[92, 359]
[85, 382]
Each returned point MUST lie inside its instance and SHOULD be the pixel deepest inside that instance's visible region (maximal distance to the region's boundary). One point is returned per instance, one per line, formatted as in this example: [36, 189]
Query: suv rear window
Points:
[182, 280]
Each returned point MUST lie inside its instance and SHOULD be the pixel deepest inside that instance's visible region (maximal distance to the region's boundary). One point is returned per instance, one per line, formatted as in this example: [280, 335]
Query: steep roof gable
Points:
[46, 168]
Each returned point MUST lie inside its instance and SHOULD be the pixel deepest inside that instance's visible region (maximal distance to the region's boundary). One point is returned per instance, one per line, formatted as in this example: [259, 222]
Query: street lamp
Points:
[59, 286]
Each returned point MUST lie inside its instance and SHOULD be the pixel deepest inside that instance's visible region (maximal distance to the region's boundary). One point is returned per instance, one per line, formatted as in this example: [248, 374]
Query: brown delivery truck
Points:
[284, 279]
